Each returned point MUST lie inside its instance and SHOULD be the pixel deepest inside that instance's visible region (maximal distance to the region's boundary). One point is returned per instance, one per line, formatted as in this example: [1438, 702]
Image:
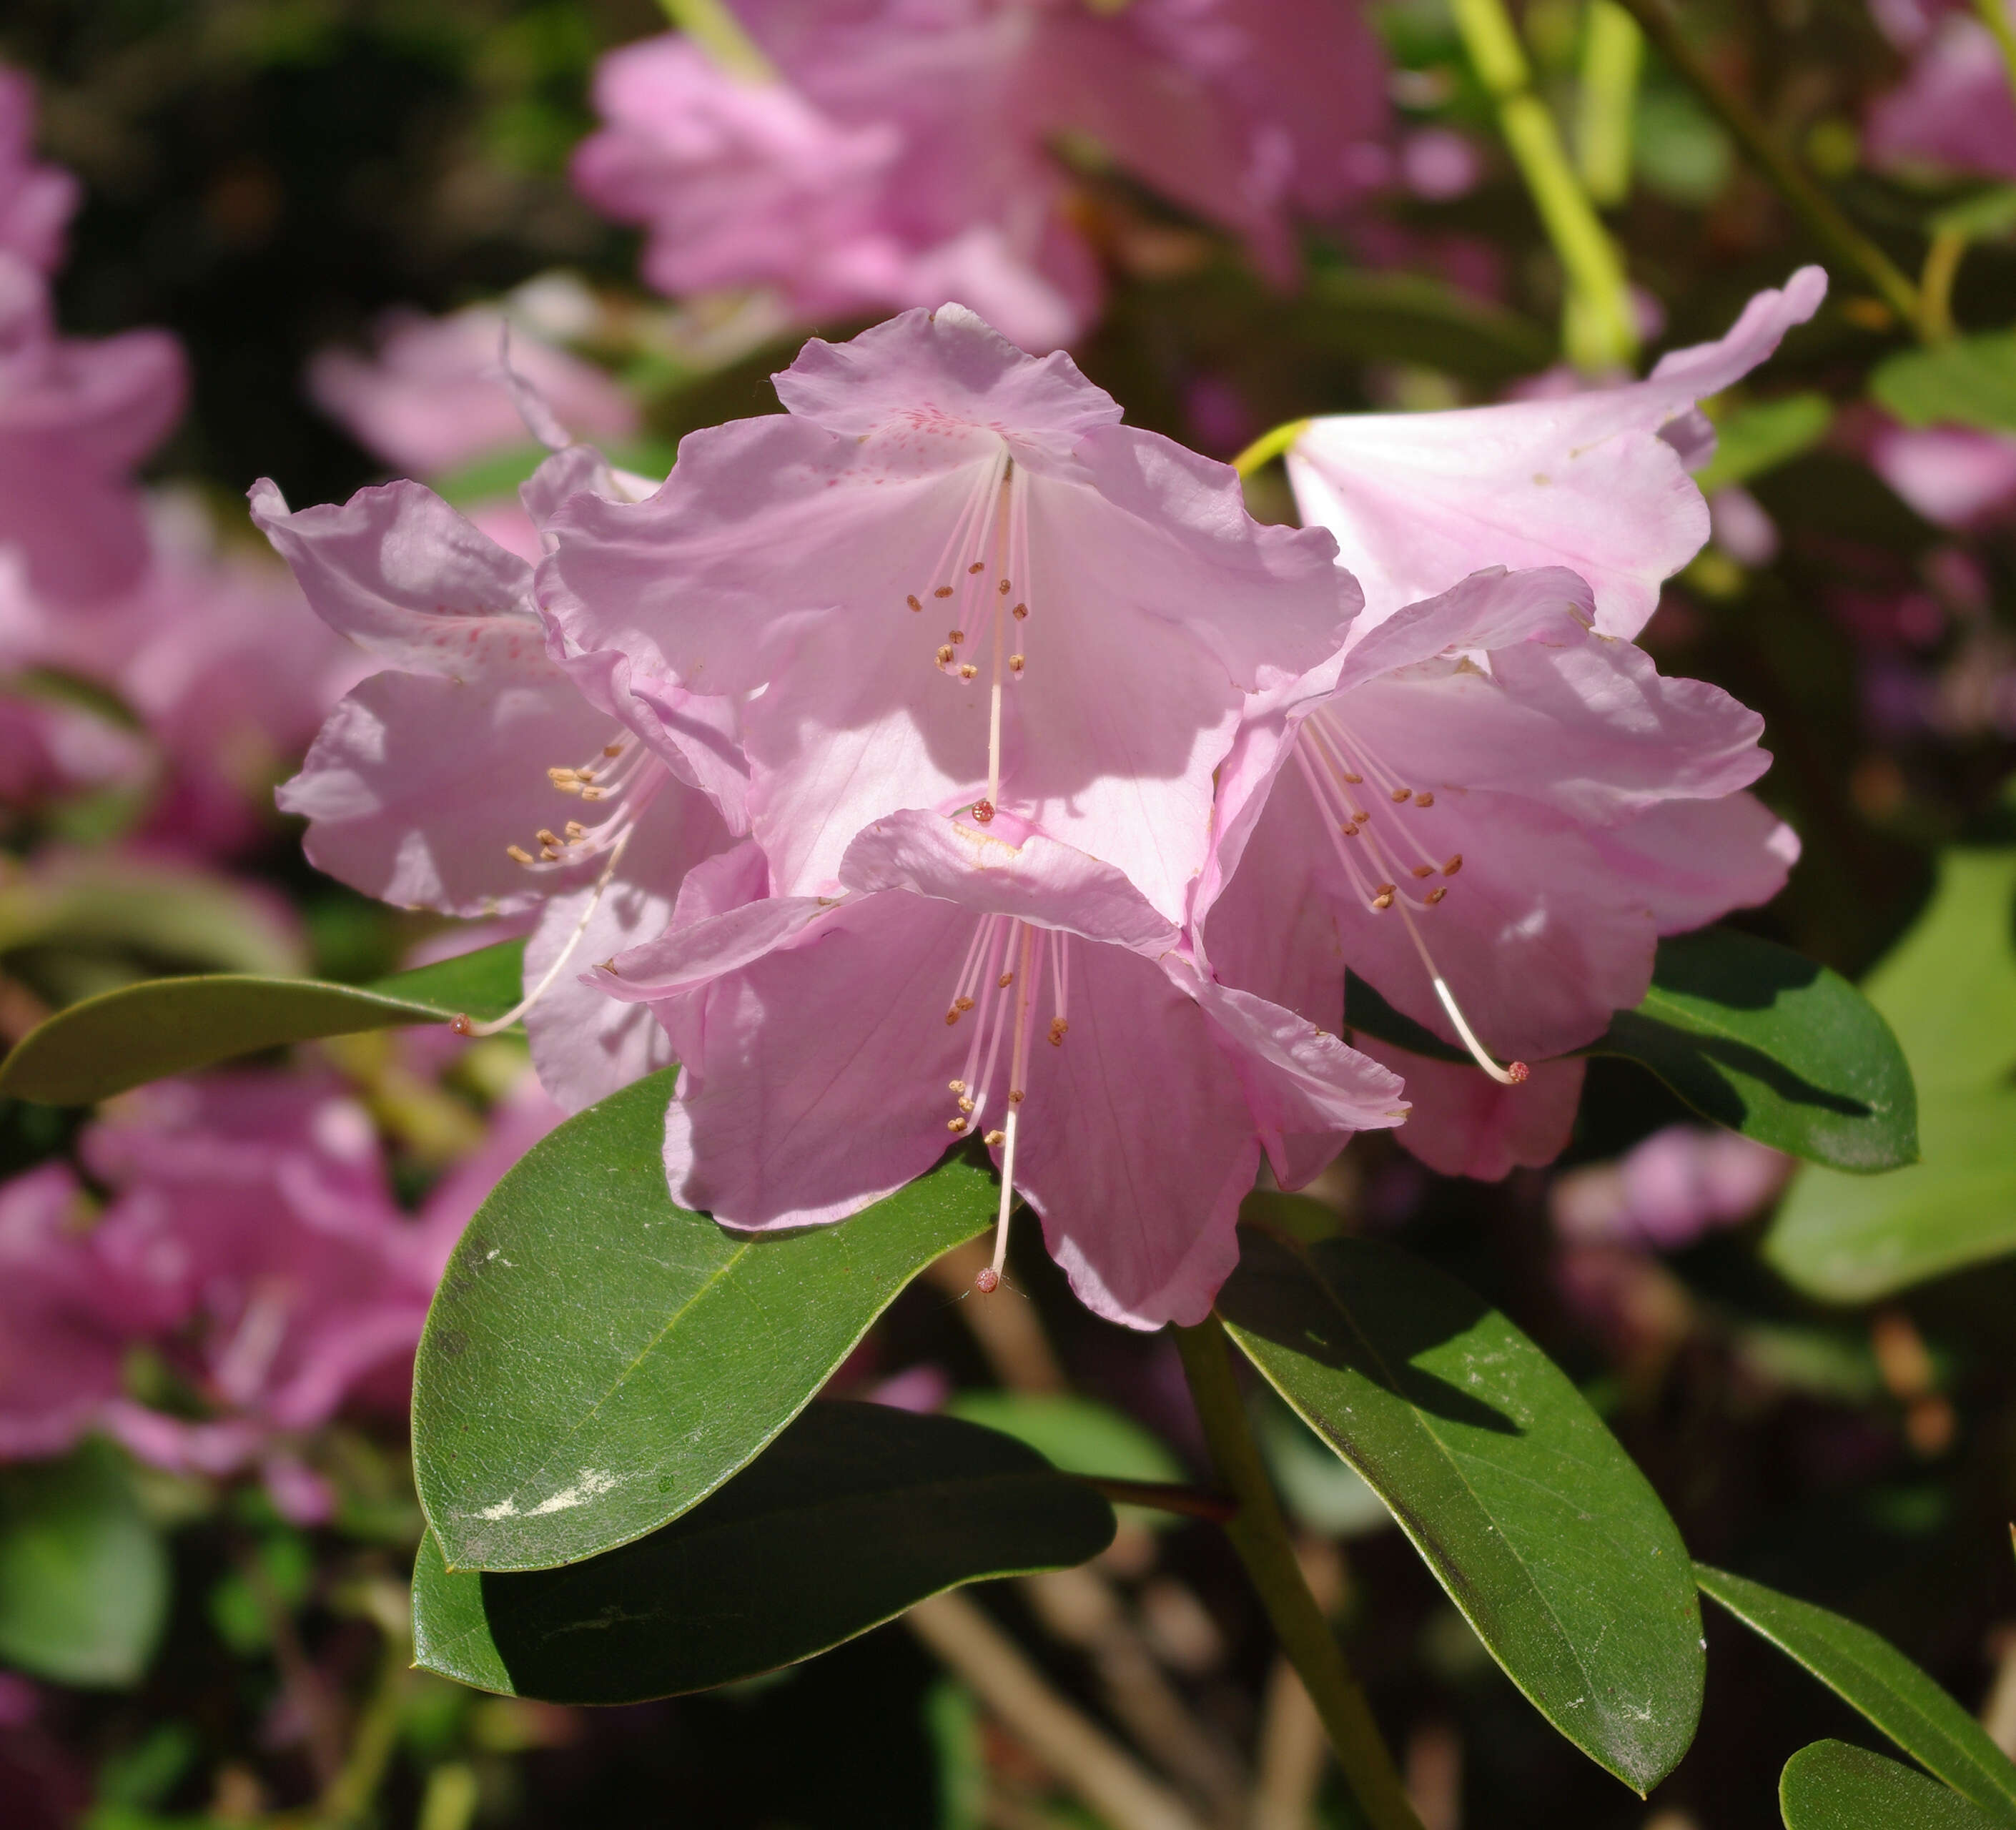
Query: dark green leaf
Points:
[83, 1577]
[1869, 1673]
[1531, 1515]
[1970, 381]
[1759, 1039]
[1832, 1786]
[1757, 438]
[143, 1032]
[1948, 990]
[597, 1360]
[856, 1512]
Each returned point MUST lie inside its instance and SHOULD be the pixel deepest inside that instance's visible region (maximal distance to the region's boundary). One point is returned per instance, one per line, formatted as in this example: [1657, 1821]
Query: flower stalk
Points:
[712, 25]
[1613, 52]
[1597, 325]
[1260, 1536]
[1808, 201]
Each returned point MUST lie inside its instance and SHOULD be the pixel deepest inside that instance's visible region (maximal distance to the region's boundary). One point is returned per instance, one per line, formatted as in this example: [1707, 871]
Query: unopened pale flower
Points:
[1595, 481]
[988, 982]
[959, 582]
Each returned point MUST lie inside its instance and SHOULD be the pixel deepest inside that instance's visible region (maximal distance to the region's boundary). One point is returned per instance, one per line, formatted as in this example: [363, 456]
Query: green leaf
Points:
[856, 1512]
[1531, 1515]
[1948, 990]
[1762, 1040]
[1397, 317]
[1970, 381]
[1077, 1435]
[598, 1361]
[1832, 1786]
[1757, 438]
[84, 1576]
[141, 1032]
[1871, 1675]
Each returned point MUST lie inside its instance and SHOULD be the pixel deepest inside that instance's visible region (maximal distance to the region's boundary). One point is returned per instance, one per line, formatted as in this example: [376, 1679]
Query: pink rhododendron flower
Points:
[1460, 1122]
[1953, 110]
[439, 783]
[990, 979]
[1490, 817]
[435, 397]
[1596, 481]
[36, 201]
[1954, 476]
[75, 418]
[960, 582]
[1668, 1191]
[904, 154]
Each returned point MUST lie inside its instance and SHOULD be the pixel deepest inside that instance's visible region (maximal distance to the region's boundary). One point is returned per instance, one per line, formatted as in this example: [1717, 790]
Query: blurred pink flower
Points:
[906, 154]
[1595, 481]
[832, 1050]
[435, 397]
[36, 201]
[75, 418]
[1954, 476]
[1667, 1191]
[960, 583]
[432, 784]
[1953, 109]
[1589, 805]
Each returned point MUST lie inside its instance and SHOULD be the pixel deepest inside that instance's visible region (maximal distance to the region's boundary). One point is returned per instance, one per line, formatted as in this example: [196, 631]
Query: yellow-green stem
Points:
[1995, 16]
[1260, 1536]
[715, 29]
[1936, 283]
[1612, 51]
[1786, 176]
[1597, 320]
[1267, 446]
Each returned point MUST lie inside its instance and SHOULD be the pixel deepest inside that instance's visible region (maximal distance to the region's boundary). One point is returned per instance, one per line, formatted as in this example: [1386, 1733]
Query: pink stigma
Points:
[988, 1281]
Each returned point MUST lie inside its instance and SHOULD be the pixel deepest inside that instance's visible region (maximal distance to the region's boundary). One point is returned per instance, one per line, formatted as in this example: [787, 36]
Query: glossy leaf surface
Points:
[83, 1576]
[856, 1512]
[1832, 1786]
[597, 1359]
[1870, 1675]
[1949, 989]
[146, 1032]
[1544, 1533]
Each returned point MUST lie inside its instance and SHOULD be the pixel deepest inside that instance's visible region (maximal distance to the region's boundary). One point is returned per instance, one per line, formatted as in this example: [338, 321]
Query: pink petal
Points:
[1694, 861]
[1464, 1123]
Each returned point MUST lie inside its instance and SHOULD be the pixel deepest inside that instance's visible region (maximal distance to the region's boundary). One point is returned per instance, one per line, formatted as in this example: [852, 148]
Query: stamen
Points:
[1425, 799]
[1030, 967]
[977, 566]
[517, 854]
[1454, 865]
[1020, 613]
[942, 591]
[912, 601]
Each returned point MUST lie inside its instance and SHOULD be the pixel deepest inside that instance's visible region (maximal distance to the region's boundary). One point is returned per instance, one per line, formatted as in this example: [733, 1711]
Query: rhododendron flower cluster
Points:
[901, 155]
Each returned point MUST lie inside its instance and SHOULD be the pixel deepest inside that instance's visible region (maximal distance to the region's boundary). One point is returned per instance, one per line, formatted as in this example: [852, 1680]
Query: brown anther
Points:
[1019, 611]
[965, 1103]
[1349, 830]
[547, 838]
[983, 811]
[584, 774]
[954, 636]
[956, 1085]
[1424, 870]
[969, 671]
[1359, 816]
[1058, 1026]
[1015, 665]
[955, 1124]
[945, 656]
[951, 1017]
[517, 854]
[559, 777]
[1382, 898]
[942, 591]
[997, 1138]
[612, 749]
[1015, 1095]
[979, 565]
[1354, 779]
[549, 853]
[988, 1280]
[1454, 865]
[1005, 980]
[576, 830]
[1004, 587]
[592, 794]
[912, 601]
[1424, 799]
[1436, 894]
[961, 1004]
[1403, 793]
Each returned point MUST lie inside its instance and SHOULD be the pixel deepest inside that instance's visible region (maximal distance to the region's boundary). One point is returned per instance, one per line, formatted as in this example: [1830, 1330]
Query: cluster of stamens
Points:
[622, 772]
[1002, 981]
[989, 538]
[1335, 765]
